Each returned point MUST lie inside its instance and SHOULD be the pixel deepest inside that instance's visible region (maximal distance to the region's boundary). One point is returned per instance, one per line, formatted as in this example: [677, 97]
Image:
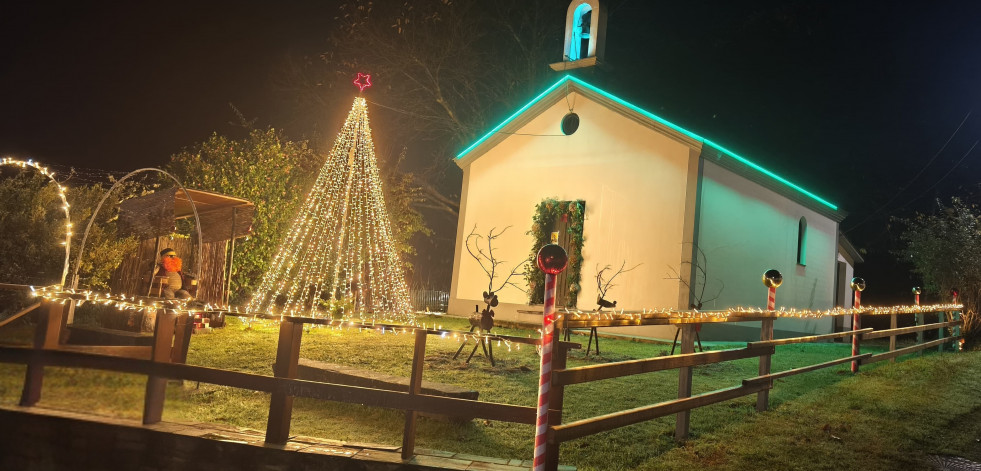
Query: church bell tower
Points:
[585, 35]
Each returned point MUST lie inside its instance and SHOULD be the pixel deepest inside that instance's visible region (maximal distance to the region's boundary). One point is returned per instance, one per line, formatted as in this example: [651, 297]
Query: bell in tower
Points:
[585, 35]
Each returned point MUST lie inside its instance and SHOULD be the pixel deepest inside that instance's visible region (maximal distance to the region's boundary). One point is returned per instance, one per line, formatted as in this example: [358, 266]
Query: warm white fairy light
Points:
[738, 313]
[340, 252]
[121, 302]
[64, 203]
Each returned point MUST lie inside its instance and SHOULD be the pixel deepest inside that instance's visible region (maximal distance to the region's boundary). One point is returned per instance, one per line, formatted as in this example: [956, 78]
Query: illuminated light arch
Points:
[64, 204]
[194, 208]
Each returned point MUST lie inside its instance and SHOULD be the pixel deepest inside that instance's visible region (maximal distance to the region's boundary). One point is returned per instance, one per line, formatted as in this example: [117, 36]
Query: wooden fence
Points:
[164, 360]
[760, 385]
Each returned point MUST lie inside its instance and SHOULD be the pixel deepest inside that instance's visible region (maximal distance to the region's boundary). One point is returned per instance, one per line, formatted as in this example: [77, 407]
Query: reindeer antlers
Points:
[487, 260]
[603, 285]
[701, 270]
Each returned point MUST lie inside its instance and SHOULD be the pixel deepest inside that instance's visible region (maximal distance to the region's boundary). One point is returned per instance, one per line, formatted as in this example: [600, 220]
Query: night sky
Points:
[849, 99]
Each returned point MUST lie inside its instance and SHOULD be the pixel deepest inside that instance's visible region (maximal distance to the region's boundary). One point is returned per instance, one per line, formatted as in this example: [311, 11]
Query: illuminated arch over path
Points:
[64, 203]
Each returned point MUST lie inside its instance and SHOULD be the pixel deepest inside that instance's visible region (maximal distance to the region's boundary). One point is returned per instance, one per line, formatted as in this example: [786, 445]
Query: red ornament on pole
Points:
[363, 81]
[858, 285]
[551, 259]
[916, 294]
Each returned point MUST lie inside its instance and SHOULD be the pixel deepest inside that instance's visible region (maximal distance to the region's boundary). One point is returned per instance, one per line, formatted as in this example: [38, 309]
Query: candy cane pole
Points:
[858, 285]
[551, 259]
[771, 279]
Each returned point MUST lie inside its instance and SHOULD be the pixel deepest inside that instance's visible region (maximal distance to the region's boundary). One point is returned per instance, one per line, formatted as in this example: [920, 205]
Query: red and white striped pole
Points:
[858, 285]
[916, 295]
[771, 279]
[551, 259]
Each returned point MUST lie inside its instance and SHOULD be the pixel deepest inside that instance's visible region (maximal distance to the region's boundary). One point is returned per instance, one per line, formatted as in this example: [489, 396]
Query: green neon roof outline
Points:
[648, 114]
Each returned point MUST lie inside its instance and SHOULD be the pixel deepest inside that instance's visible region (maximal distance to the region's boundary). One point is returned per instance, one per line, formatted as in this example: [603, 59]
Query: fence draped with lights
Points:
[164, 360]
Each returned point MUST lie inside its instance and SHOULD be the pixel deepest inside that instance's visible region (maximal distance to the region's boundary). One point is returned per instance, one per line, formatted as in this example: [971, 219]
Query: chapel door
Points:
[561, 226]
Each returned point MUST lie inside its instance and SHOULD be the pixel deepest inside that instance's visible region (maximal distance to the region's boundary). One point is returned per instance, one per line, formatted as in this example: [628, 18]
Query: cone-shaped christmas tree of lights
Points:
[340, 255]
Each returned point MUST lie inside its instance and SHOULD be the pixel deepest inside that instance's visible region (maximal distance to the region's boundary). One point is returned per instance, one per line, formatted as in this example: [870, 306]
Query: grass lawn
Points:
[890, 416]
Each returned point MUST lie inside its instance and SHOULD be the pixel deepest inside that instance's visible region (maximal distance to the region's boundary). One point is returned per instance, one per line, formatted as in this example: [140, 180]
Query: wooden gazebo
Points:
[152, 219]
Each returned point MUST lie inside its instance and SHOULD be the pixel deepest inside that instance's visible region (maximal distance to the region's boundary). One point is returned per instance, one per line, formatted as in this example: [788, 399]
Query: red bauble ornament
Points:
[552, 259]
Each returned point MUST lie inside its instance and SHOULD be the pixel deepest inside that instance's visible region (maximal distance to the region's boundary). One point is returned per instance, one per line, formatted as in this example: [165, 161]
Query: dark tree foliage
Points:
[32, 229]
[264, 168]
[944, 248]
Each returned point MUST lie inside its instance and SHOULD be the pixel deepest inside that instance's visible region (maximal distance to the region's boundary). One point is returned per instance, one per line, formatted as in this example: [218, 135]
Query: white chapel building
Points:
[655, 196]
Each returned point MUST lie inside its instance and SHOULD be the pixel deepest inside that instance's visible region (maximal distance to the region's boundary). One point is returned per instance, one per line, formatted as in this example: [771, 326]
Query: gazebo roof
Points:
[222, 217]
[205, 201]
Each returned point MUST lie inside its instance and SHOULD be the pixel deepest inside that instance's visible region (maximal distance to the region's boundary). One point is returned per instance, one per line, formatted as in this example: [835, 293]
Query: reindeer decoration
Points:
[696, 288]
[602, 286]
[484, 319]
[699, 280]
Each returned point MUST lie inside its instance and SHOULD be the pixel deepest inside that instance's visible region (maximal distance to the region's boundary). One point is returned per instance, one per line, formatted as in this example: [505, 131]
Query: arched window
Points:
[582, 19]
[802, 242]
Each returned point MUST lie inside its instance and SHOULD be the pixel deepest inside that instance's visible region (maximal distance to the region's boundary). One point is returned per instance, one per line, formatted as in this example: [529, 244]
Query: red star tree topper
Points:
[363, 81]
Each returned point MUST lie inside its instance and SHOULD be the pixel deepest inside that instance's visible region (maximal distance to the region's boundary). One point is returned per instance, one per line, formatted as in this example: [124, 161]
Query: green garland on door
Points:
[548, 212]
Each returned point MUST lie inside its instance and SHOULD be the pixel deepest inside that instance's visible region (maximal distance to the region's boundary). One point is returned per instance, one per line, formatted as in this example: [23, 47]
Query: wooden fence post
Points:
[956, 316]
[856, 344]
[67, 318]
[182, 338]
[920, 320]
[415, 387]
[684, 382]
[162, 352]
[893, 324]
[766, 333]
[941, 317]
[281, 404]
[557, 393]
[47, 334]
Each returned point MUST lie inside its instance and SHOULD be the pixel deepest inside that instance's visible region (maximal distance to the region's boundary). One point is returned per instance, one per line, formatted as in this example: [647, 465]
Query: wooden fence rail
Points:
[585, 374]
[760, 385]
[164, 360]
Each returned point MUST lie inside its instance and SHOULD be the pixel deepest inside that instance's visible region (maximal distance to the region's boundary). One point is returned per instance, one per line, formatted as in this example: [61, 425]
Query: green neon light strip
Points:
[618, 100]
[511, 118]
